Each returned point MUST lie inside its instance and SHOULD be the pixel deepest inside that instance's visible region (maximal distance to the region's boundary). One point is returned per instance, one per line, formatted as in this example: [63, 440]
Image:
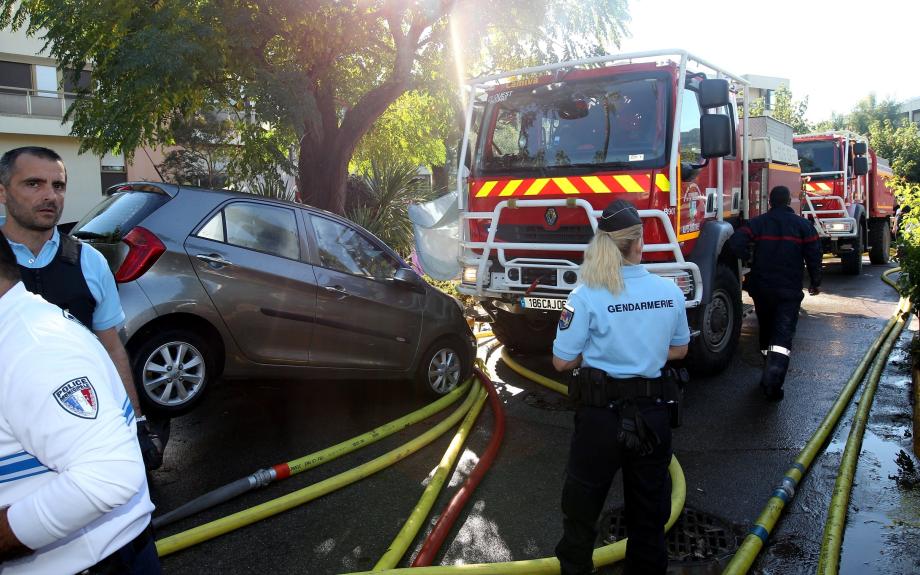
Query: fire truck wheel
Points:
[852, 261]
[879, 242]
[719, 324]
[525, 334]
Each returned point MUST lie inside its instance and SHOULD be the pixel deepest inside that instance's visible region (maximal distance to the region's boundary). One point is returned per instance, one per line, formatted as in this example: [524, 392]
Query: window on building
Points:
[15, 75]
[46, 81]
[83, 83]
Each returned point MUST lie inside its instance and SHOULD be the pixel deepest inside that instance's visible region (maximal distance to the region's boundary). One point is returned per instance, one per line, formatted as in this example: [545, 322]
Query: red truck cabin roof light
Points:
[145, 249]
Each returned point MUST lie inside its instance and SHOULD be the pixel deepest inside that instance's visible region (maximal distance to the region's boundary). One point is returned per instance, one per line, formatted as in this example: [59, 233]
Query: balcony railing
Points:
[28, 102]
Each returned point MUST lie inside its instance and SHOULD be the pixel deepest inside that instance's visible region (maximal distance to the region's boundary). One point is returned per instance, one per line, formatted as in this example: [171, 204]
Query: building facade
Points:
[34, 96]
[911, 110]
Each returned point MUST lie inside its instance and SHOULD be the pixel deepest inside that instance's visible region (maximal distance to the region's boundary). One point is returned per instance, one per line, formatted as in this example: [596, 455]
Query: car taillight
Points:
[145, 249]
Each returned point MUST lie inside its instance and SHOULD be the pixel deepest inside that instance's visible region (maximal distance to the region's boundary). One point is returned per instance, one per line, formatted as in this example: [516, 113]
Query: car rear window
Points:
[117, 215]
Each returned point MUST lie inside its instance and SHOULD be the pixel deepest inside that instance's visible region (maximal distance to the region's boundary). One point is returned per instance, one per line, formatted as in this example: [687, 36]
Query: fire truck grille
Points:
[537, 234]
[529, 275]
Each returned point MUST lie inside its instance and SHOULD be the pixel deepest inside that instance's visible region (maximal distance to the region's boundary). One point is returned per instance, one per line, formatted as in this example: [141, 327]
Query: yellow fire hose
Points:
[224, 525]
[264, 477]
[417, 518]
[743, 559]
[605, 555]
[834, 527]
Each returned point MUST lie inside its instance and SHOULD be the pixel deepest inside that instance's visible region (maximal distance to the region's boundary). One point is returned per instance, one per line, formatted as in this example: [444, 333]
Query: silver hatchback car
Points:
[223, 283]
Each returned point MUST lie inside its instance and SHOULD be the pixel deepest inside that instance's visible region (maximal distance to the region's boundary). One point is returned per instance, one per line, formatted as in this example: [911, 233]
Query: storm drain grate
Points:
[696, 537]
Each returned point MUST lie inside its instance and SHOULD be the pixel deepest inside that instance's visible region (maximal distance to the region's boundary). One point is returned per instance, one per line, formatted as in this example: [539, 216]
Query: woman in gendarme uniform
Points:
[619, 327]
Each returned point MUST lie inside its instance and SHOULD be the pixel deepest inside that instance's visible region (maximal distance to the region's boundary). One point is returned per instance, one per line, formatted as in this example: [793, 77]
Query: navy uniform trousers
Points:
[777, 315]
[594, 459]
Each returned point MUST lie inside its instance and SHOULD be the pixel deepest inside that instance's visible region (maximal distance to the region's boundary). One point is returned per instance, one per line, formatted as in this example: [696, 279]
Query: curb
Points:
[915, 381]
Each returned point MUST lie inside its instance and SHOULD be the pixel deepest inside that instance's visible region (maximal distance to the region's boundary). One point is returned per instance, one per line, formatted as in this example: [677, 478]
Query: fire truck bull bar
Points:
[833, 224]
[499, 284]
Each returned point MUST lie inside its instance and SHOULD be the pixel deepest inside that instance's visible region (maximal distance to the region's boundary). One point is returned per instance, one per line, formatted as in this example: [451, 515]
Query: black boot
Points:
[774, 375]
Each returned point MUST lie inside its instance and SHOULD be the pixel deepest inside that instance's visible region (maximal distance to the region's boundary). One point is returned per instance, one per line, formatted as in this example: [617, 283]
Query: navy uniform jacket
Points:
[782, 240]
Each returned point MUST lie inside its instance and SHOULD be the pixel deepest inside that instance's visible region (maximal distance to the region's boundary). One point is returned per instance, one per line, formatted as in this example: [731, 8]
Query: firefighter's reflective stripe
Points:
[605, 184]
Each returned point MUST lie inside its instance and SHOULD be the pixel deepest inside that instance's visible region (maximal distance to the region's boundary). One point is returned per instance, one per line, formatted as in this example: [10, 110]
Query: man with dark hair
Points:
[72, 275]
[73, 492]
[781, 242]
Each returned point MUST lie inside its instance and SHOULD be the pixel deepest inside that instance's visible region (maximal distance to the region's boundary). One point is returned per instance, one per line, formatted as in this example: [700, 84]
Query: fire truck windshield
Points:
[818, 156]
[612, 123]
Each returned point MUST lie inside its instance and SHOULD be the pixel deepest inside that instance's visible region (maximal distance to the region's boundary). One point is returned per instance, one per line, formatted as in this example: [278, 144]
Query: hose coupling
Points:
[788, 487]
[262, 477]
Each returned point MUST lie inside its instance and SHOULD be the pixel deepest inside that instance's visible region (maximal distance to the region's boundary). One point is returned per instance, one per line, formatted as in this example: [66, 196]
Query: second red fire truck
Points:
[555, 144]
[846, 196]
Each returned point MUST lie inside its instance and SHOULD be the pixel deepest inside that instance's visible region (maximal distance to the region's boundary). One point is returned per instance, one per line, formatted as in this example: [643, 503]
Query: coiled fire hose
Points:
[743, 559]
[605, 555]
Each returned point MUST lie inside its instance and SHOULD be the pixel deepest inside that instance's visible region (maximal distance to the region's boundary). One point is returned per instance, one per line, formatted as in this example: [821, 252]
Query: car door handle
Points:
[214, 259]
[338, 290]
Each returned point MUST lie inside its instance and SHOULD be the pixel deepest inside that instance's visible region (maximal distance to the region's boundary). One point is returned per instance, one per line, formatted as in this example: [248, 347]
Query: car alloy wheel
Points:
[173, 373]
[444, 369]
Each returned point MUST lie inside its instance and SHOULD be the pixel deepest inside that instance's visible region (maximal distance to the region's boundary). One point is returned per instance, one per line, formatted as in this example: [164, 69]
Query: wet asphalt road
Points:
[734, 449]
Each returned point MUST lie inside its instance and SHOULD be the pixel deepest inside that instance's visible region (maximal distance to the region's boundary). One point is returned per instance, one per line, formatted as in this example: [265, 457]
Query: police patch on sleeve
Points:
[78, 397]
[565, 318]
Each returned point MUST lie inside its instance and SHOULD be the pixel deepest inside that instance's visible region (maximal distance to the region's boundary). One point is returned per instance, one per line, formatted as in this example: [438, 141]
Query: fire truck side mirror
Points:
[861, 165]
[715, 135]
[714, 93]
[860, 149]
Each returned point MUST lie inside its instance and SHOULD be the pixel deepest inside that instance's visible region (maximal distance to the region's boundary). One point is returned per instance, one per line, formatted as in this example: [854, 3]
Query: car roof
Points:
[173, 189]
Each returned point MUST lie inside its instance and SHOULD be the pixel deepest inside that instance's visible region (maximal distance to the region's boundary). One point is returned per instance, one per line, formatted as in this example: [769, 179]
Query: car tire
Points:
[445, 364]
[720, 326]
[522, 334]
[852, 261]
[879, 242]
[172, 370]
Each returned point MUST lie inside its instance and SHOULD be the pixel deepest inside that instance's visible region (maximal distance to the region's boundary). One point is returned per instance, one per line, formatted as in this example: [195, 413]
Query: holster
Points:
[675, 380]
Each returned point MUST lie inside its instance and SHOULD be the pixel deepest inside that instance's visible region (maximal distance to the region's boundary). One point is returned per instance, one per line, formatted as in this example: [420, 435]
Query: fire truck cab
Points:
[845, 194]
[555, 144]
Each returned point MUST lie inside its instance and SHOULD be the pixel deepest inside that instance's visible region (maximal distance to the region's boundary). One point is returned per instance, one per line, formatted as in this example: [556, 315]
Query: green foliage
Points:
[908, 194]
[379, 202]
[870, 110]
[413, 129]
[899, 145]
[785, 109]
[203, 153]
[790, 111]
[450, 288]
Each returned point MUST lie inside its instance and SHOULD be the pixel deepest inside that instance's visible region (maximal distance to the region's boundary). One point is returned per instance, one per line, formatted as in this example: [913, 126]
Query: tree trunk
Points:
[440, 177]
[322, 174]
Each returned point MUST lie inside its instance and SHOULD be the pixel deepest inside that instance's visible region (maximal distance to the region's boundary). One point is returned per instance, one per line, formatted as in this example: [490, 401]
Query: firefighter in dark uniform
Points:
[781, 241]
[617, 331]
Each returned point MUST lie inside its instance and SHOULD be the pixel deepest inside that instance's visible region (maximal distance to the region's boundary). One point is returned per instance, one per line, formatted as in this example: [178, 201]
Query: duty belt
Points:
[591, 386]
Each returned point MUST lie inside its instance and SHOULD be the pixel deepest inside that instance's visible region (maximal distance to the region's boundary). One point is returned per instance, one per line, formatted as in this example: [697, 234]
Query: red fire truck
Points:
[554, 145]
[845, 194]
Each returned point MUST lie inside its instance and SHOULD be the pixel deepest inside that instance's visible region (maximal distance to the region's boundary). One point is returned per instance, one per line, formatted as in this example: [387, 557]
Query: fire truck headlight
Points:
[839, 227]
[470, 274]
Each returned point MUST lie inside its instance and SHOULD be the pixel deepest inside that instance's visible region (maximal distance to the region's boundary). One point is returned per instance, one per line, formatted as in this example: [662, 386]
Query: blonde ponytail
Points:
[605, 257]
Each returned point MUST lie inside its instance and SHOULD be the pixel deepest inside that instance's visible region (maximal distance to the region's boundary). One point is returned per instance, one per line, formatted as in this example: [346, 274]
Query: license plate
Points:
[545, 303]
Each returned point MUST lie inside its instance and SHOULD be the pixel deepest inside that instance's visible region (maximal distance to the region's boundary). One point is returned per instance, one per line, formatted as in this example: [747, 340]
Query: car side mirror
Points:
[860, 148]
[861, 165]
[714, 93]
[715, 135]
[408, 278]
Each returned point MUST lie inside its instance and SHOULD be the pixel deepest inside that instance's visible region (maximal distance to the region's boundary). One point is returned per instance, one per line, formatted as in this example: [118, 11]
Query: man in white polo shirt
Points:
[73, 490]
